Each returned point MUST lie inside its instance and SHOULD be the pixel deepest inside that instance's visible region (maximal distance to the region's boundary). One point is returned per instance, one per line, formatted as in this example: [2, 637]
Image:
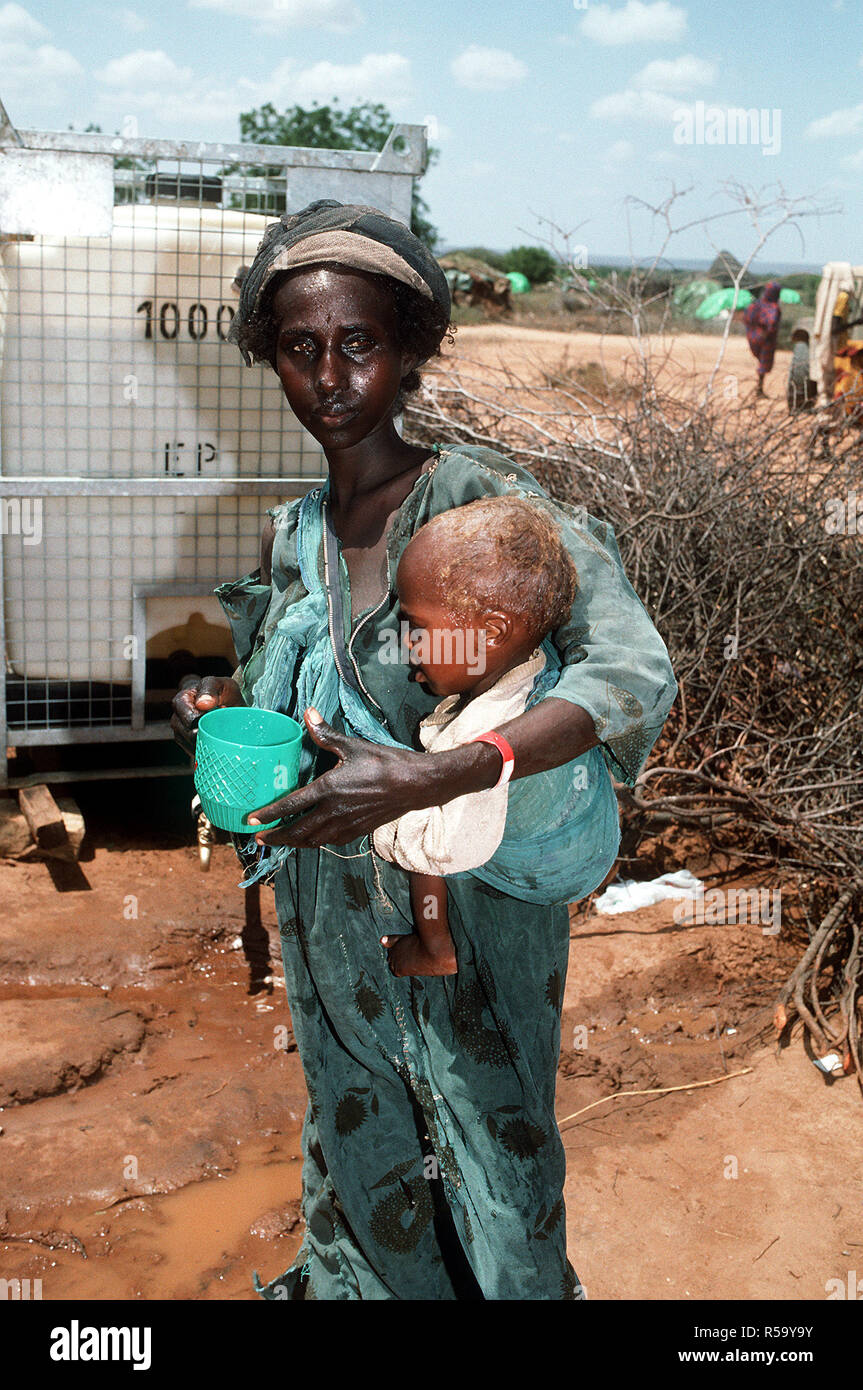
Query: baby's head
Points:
[479, 588]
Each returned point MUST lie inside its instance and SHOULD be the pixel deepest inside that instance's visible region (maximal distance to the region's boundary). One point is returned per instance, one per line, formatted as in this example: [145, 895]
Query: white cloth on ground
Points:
[628, 895]
[465, 832]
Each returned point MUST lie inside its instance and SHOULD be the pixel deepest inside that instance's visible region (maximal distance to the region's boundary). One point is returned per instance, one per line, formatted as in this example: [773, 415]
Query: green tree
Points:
[805, 284]
[362, 127]
[533, 261]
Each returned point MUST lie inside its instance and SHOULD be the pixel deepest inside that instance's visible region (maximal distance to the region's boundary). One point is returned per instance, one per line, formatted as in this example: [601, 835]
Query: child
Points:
[479, 588]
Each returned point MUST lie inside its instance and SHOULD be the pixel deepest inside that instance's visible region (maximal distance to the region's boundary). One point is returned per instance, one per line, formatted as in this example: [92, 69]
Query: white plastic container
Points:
[114, 365]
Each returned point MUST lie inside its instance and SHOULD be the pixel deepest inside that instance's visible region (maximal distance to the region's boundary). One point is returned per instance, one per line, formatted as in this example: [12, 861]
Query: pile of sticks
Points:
[730, 524]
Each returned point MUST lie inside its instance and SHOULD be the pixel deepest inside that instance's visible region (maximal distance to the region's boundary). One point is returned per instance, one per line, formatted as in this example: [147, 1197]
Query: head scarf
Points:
[762, 315]
[348, 234]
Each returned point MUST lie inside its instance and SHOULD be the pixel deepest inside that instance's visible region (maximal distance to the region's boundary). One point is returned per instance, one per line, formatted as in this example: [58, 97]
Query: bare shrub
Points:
[728, 520]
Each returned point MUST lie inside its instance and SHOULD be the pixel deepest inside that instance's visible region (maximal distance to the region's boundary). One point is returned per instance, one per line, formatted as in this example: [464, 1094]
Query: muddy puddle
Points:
[200, 1242]
[151, 1097]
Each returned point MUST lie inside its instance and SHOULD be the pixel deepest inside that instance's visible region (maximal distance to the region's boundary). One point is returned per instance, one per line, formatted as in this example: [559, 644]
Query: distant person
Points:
[762, 319]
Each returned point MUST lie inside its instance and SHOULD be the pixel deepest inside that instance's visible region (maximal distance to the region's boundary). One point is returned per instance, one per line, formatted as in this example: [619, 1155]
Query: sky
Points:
[555, 118]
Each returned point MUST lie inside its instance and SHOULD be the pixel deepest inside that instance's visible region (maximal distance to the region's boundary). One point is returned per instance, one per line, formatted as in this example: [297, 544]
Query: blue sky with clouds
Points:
[550, 110]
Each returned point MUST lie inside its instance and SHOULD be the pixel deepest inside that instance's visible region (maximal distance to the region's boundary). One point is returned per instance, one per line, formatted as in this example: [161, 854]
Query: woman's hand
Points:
[196, 697]
[370, 786]
[373, 785]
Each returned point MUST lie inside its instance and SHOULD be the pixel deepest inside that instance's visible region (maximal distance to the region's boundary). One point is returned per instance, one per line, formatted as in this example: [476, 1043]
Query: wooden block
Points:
[15, 837]
[43, 816]
[75, 829]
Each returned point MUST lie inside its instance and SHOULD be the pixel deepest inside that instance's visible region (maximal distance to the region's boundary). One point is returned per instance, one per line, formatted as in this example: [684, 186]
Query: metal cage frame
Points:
[386, 178]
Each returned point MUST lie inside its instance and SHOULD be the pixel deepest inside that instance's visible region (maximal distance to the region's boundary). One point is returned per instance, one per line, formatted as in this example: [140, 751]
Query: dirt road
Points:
[152, 1121]
[688, 358]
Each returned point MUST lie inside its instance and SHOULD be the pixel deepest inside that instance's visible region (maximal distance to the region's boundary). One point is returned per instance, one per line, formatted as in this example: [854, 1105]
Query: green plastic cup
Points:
[244, 757]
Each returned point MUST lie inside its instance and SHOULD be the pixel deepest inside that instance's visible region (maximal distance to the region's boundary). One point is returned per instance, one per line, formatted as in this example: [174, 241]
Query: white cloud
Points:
[384, 77]
[684, 74]
[43, 71]
[151, 82]
[28, 66]
[171, 114]
[653, 108]
[273, 16]
[853, 162]
[143, 70]
[133, 22]
[620, 152]
[635, 23]
[848, 121]
[17, 26]
[487, 69]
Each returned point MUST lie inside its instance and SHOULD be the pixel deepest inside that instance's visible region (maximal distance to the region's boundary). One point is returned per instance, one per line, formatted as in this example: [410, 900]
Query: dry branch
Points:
[721, 514]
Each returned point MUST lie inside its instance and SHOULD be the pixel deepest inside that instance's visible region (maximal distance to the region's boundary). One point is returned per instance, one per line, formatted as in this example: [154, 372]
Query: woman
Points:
[433, 1167]
[762, 319]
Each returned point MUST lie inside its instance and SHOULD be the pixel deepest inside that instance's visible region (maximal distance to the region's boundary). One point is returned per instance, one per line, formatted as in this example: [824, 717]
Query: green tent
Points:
[520, 283]
[687, 297]
[725, 299]
[722, 299]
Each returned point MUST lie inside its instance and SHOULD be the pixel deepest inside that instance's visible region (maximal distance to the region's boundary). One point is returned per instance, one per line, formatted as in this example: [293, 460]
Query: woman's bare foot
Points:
[409, 956]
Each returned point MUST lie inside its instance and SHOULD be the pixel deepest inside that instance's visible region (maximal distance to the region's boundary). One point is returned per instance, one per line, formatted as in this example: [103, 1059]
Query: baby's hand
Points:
[408, 956]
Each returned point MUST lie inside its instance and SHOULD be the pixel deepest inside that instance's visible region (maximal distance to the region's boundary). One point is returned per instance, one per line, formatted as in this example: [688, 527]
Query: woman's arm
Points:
[616, 685]
[373, 784]
[268, 536]
[615, 664]
[195, 696]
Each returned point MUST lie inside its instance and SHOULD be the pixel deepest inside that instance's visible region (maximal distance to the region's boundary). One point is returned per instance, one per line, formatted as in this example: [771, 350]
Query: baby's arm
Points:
[430, 951]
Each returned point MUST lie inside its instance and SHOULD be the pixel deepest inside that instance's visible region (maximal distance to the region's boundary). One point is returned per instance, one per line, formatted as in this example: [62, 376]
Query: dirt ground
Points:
[688, 358]
[152, 1097]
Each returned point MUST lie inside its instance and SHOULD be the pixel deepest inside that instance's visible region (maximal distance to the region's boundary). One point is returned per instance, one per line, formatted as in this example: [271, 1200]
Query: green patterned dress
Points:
[432, 1163]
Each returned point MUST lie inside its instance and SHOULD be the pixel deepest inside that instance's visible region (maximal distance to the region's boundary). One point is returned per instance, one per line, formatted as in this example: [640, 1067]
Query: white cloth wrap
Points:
[465, 832]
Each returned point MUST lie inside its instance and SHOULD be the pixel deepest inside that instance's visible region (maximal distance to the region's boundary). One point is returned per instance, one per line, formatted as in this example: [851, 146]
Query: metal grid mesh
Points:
[115, 368]
[115, 361]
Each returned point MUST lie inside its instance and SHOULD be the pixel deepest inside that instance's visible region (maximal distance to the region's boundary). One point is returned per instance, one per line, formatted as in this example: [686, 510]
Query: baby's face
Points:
[337, 354]
[448, 659]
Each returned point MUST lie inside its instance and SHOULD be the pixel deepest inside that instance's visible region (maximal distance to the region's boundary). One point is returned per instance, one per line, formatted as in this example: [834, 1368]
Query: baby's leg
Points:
[431, 950]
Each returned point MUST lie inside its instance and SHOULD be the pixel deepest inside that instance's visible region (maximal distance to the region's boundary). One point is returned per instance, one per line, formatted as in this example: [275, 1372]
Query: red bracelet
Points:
[506, 753]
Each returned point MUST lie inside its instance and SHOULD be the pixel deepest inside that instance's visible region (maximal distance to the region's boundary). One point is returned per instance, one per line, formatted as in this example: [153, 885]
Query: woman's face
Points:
[337, 354]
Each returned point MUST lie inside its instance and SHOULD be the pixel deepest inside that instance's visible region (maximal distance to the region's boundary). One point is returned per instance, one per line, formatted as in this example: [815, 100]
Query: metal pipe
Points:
[390, 160]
